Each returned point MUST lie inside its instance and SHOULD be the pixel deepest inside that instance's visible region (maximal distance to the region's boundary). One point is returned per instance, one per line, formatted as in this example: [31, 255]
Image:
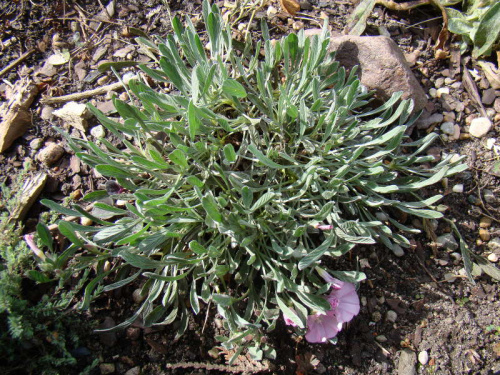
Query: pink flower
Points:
[344, 303]
[289, 322]
[30, 240]
[322, 326]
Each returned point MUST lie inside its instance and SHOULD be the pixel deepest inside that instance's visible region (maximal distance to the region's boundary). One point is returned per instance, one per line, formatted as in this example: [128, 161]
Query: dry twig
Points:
[83, 95]
[16, 62]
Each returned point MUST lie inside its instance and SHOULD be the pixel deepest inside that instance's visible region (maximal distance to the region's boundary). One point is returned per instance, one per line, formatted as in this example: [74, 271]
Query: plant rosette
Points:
[242, 167]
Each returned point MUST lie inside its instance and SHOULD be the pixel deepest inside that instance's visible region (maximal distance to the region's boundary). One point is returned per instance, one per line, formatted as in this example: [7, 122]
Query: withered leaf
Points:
[290, 6]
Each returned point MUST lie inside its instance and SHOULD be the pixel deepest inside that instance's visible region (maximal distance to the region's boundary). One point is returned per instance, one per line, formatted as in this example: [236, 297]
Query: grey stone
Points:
[383, 67]
[381, 338]
[488, 195]
[407, 363]
[489, 96]
[391, 316]
[424, 123]
[448, 128]
[36, 143]
[107, 338]
[397, 250]
[447, 241]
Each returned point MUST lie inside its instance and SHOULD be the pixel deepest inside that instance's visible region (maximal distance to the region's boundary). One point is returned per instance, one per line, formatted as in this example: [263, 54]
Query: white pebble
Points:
[490, 142]
[493, 258]
[98, 131]
[458, 188]
[479, 127]
[442, 90]
[423, 357]
[128, 76]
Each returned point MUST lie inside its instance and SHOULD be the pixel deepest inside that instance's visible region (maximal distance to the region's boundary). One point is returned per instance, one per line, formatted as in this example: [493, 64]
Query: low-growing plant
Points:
[37, 334]
[240, 169]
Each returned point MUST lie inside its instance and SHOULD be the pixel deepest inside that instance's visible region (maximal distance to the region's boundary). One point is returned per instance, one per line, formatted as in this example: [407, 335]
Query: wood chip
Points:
[15, 117]
[30, 191]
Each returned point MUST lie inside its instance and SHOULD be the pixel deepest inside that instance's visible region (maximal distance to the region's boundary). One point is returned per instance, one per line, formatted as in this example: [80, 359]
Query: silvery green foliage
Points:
[227, 175]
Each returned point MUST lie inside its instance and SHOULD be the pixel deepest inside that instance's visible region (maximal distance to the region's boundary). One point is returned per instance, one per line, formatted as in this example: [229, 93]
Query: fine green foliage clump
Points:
[226, 176]
[36, 332]
[478, 25]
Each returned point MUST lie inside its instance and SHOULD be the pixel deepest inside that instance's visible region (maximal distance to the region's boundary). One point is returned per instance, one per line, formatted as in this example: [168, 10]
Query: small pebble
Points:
[449, 277]
[50, 154]
[128, 76]
[489, 96]
[134, 371]
[439, 82]
[442, 90]
[494, 244]
[398, 250]
[36, 143]
[493, 257]
[448, 81]
[485, 222]
[364, 301]
[423, 357]
[458, 188]
[490, 112]
[479, 127]
[447, 241]
[381, 338]
[107, 368]
[433, 92]
[448, 128]
[98, 131]
[133, 333]
[46, 113]
[484, 234]
[376, 316]
[391, 316]
[449, 116]
[490, 142]
[298, 25]
[456, 256]
[86, 221]
[137, 296]
[456, 85]
[455, 157]
[489, 196]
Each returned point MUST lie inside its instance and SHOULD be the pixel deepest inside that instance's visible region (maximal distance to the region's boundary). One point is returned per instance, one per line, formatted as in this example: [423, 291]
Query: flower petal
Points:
[322, 327]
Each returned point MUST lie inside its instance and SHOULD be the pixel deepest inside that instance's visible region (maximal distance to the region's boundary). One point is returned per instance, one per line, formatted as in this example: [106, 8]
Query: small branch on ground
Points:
[82, 95]
[16, 62]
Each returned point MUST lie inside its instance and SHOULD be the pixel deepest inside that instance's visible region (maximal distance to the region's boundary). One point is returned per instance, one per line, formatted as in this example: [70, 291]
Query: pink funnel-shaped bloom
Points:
[322, 326]
[30, 240]
[290, 322]
[344, 302]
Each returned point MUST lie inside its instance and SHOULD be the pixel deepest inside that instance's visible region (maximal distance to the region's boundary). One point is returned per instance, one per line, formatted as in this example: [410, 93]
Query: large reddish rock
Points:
[382, 66]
